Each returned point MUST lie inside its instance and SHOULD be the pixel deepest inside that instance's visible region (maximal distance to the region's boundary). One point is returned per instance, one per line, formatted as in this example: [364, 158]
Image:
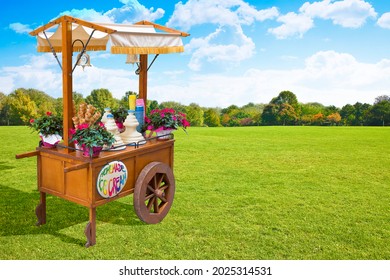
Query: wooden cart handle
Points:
[76, 167]
[28, 154]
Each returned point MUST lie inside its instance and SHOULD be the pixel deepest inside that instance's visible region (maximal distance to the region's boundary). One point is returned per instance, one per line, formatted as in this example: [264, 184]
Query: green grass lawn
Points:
[241, 193]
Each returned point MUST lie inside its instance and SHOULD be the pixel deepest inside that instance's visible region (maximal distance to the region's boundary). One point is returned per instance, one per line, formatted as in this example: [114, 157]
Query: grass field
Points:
[241, 193]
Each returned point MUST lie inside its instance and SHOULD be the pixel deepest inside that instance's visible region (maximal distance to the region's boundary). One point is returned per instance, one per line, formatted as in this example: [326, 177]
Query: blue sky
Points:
[333, 51]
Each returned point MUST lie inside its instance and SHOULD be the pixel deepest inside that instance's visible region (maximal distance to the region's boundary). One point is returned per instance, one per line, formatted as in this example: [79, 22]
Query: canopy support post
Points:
[67, 80]
[143, 77]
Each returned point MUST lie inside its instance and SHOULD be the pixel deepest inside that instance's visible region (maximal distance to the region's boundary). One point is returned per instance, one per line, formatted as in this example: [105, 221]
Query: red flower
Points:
[83, 126]
[32, 121]
[48, 113]
[185, 123]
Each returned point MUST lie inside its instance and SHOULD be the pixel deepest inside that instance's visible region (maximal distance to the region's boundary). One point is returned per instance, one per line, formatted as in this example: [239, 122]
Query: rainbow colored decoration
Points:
[111, 179]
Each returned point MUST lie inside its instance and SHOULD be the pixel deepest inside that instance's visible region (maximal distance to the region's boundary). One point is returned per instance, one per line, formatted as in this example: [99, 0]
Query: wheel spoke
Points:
[163, 199]
[163, 188]
[156, 207]
[155, 185]
[160, 179]
[149, 196]
[150, 203]
[150, 188]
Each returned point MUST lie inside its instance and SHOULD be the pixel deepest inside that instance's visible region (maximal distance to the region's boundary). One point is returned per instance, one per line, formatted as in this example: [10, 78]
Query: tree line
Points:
[21, 105]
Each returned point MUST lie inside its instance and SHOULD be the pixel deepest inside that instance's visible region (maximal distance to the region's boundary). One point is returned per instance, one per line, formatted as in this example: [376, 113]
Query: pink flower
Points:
[147, 120]
[162, 115]
[100, 124]
[185, 123]
[119, 125]
[72, 131]
[83, 126]
[48, 113]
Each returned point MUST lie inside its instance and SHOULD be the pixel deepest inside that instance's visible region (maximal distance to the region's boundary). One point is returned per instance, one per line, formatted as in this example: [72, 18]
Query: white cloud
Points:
[293, 24]
[221, 12]
[42, 72]
[347, 13]
[212, 49]
[20, 28]
[132, 11]
[328, 77]
[88, 15]
[384, 21]
[228, 42]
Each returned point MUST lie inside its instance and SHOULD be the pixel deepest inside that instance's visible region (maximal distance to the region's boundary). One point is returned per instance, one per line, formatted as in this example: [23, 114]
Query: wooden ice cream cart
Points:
[142, 169]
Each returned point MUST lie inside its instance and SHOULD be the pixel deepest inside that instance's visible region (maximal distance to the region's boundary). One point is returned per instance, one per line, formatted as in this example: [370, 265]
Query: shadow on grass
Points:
[4, 166]
[17, 216]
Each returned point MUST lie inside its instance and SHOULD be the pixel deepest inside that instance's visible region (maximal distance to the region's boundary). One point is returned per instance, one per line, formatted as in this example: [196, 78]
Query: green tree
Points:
[151, 105]
[286, 97]
[361, 112]
[348, 114]
[195, 115]
[22, 108]
[101, 98]
[309, 110]
[4, 109]
[174, 105]
[287, 114]
[211, 117]
[379, 114]
[269, 115]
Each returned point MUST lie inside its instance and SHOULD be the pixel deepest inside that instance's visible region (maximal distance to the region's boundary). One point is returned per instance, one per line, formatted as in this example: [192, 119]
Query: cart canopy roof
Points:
[141, 38]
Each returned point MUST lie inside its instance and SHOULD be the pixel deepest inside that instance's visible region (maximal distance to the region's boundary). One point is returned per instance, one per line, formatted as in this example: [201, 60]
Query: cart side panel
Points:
[162, 155]
[52, 175]
[76, 184]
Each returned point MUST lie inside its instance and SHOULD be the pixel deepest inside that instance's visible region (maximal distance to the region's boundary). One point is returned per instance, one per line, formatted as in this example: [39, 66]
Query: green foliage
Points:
[284, 109]
[120, 114]
[195, 114]
[101, 98]
[285, 97]
[211, 118]
[48, 124]
[21, 107]
[151, 105]
[95, 135]
[379, 114]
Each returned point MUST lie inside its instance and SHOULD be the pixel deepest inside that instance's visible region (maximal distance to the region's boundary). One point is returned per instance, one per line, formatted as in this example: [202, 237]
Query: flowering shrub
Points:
[48, 124]
[95, 135]
[163, 119]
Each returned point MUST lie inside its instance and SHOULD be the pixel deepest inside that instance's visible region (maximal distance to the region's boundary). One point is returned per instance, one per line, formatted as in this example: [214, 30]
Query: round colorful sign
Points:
[112, 178]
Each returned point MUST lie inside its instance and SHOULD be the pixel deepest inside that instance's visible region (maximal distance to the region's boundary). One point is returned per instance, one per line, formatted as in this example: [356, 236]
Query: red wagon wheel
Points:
[153, 193]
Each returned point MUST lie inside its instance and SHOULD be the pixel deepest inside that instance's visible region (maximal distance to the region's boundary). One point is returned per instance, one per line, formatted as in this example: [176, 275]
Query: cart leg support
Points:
[90, 229]
[40, 210]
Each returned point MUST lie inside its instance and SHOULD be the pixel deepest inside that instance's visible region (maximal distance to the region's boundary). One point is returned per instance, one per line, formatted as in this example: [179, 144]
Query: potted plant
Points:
[120, 116]
[164, 121]
[91, 138]
[49, 127]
